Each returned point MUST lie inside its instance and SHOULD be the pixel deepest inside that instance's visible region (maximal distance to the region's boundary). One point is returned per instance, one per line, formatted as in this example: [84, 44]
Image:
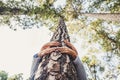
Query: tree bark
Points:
[56, 65]
[104, 16]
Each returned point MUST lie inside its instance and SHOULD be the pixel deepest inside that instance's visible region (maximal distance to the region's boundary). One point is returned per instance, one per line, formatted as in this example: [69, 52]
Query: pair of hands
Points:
[57, 46]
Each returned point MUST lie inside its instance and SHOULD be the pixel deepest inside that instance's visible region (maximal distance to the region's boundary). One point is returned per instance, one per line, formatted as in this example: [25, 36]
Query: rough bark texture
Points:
[57, 66]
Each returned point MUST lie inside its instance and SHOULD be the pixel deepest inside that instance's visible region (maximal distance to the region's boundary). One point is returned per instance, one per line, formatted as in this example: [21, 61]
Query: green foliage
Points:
[45, 10]
[3, 75]
[92, 64]
[102, 36]
[86, 59]
[116, 7]
[1, 4]
[16, 77]
[118, 36]
[101, 6]
[90, 60]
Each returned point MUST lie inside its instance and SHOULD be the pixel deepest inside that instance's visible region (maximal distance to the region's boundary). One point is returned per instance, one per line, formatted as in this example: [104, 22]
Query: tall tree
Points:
[57, 64]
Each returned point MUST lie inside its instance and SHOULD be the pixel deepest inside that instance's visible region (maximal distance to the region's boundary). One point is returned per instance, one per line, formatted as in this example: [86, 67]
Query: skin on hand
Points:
[55, 46]
[63, 50]
[70, 45]
[50, 44]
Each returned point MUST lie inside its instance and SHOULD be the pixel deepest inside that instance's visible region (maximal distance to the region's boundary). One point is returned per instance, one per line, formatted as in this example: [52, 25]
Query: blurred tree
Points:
[3, 75]
[16, 77]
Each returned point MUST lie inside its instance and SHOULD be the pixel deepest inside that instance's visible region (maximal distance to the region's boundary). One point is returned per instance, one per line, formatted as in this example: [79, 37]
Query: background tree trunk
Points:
[104, 16]
[57, 66]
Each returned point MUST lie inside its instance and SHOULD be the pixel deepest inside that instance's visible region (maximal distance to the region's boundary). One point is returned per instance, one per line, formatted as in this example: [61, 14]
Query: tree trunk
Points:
[104, 16]
[56, 65]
